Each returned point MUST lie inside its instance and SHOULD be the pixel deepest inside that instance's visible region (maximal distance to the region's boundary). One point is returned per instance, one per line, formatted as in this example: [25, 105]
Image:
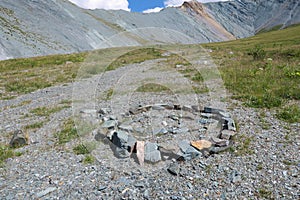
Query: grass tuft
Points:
[67, 133]
[289, 114]
[7, 152]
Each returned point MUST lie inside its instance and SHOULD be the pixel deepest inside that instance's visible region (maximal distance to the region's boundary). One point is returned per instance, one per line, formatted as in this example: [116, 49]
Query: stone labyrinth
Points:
[159, 132]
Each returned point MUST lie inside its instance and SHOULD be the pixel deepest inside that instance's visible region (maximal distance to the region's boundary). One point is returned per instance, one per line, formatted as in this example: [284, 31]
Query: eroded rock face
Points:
[176, 135]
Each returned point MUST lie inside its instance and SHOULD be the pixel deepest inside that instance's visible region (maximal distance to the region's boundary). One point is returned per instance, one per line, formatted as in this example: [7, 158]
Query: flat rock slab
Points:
[152, 154]
[201, 144]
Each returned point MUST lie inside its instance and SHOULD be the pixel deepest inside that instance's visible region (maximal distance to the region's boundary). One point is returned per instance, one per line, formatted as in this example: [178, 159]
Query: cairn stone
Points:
[19, 139]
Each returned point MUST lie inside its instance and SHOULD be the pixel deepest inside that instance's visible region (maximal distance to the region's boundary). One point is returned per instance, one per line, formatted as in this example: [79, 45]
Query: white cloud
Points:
[172, 3]
[103, 4]
[152, 10]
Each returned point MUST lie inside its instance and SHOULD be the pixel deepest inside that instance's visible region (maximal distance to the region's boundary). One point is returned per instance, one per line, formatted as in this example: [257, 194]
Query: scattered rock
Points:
[174, 169]
[219, 142]
[89, 111]
[19, 139]
[227, 134]
[104, 111]
[215, 150]
[235, 177]
[139, 185]
[135, 111]
[125, 127]
[45, 192]
[196, 108]
[201, 144]
[160, 131]
[207, 115]
[101, 188]
[158, 107]
[121, 153]
[110, 124]
[187, 108]
[168, 106]
[229, 124]
[181, 130]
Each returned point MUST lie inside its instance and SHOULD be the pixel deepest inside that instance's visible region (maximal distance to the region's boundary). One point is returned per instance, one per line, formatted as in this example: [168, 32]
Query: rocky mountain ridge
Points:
[34, 28]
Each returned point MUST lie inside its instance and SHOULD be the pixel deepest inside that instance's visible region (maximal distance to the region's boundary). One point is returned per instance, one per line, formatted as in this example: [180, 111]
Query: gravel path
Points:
[263, 163]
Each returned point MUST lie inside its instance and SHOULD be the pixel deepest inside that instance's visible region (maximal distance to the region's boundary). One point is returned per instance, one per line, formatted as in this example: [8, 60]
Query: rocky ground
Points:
[262, 163]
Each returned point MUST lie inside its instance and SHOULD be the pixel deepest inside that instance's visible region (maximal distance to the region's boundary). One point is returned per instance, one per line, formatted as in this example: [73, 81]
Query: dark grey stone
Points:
[174, 169]
[227, 134]
[102, 188]
[110, 124]
[188, 152]
[215, 150]
[121, 153]
[219, 142]
[104, 111]
[229, 124]
[125, 127]
[123, 141]
[207, 115]
[212, 110]
[18, 139]
[139, 185]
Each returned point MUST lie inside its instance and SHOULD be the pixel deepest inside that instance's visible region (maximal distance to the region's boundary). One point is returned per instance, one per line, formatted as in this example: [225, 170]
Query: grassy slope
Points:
[264, 70]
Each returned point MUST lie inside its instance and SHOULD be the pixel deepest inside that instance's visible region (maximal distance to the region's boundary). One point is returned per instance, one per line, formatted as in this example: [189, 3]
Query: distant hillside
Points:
[42, 27]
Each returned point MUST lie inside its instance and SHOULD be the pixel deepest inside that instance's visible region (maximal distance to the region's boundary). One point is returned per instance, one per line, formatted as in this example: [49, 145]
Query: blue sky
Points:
[131, 5]
[142, 5]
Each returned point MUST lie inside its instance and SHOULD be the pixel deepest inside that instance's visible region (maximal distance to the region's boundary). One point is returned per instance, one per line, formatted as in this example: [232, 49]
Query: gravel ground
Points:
[263, 162]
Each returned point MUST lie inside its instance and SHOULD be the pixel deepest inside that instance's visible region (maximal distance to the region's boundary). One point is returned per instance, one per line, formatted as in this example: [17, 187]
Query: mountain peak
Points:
[195, 7]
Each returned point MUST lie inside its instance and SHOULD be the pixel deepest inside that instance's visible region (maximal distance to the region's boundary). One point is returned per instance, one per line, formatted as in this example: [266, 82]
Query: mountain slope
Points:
[32, 28]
